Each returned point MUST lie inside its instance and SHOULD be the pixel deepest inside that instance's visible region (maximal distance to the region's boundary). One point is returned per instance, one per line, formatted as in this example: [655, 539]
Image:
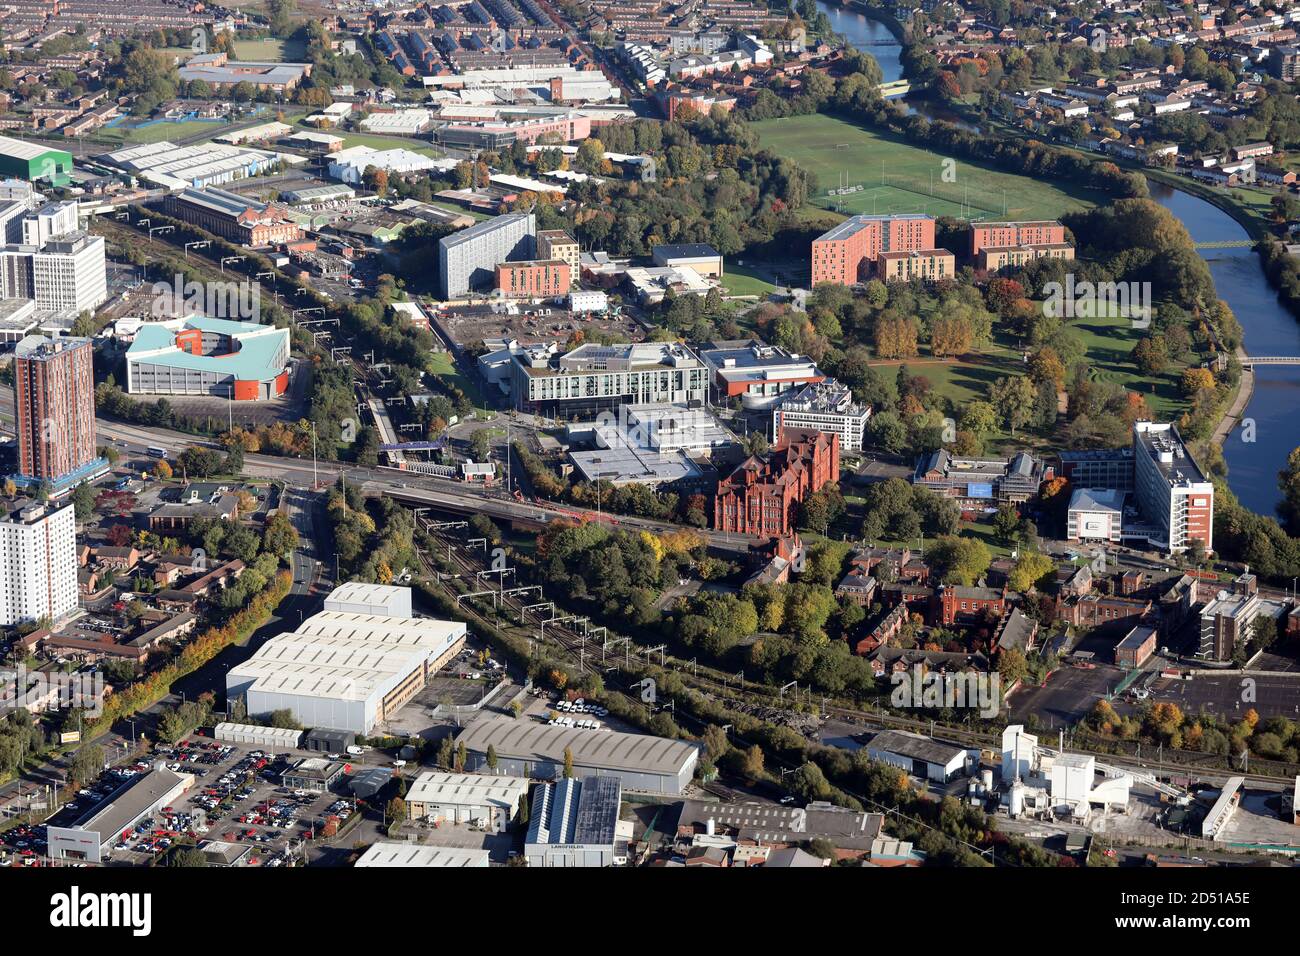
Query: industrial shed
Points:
[575, 823]
[345, 671]
[32, 161]
[409, 854]
[358, 597]
[271, 739]
[523, 749]
[493, 801]
[919, 756]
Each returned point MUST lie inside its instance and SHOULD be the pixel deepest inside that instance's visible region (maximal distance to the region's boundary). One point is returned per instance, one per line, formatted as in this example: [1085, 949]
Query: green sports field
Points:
[887, 175]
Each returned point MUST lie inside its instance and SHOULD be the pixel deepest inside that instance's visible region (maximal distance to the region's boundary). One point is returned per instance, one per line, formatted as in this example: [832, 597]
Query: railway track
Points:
[576, 644]
[568, 639]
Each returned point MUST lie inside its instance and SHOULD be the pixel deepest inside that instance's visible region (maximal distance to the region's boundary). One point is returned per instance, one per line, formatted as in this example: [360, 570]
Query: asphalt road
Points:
[311, 581]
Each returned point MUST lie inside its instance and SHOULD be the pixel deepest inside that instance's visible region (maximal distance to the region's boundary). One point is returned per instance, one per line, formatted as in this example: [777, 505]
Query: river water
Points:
[869, 35]
[1270, 329]
[1239, 279]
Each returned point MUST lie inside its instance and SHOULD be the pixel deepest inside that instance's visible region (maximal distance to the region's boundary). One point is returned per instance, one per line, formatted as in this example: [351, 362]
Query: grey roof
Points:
[792, 856]
[1136, 637]
[125, 805]
[1098, 499]
[608, 750]
[369, 782]
[914, 746]
[576, 812]
[1166, 450]
[483, 228]
[222, 201]
[1017, 631]
[855, 224]
[685, 250]
[772, 823]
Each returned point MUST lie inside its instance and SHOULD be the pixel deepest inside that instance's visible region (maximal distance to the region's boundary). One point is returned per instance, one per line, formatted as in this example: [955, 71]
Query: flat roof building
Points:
[198, 355]
[757, 373]
[826, 406]
[54, 404]
[358, 597]
[467, 260]
[593, 377]
[844, 253]
[1172, 490]
[699, 256]
[92, 836]
[639, 761]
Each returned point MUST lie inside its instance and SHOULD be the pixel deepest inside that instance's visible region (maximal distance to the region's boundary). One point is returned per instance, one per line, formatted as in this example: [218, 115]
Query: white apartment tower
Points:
[467, 260]
[1172, 491]
[38, 563]
[57, 264]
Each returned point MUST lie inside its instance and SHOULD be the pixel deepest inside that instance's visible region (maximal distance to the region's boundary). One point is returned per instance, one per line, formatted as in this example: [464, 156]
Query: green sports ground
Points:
[889, 176]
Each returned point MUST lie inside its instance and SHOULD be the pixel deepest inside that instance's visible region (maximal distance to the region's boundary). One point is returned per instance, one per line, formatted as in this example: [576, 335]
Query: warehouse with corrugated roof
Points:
[344, 671]
[640, 761]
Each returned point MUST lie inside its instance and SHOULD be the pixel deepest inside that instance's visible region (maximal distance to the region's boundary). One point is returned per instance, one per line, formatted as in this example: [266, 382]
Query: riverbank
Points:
[1256, 227]
[1240, 402]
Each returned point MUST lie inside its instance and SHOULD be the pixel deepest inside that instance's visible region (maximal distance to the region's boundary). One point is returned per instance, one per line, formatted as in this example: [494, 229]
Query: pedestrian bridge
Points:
[896, 88]
[1252, 360]
[1226, 244]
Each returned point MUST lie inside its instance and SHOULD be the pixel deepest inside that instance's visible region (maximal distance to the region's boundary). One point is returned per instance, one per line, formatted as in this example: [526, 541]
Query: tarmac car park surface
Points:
[236, 798]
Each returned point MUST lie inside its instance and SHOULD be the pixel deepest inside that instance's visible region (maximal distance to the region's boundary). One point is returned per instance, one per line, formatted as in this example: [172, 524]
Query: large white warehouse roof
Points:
[358, 597]
[345, 656]
[607, 750]
[406, 854]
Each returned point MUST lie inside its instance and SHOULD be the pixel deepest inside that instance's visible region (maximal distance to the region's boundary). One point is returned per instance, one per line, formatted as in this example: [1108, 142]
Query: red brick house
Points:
[762, 496]
[962, 605]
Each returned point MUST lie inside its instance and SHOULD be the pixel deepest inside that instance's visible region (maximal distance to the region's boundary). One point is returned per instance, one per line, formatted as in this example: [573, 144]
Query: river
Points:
[1239, 279]
[869, 35]
[872, 36]
[1270, 329]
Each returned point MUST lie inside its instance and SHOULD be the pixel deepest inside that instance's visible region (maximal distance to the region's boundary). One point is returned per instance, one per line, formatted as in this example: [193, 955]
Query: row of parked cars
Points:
[581, 724]
[580, 706]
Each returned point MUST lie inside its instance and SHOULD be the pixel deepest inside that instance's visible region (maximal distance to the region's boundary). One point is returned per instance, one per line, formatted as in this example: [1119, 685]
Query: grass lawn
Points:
[157, 132]
[742, 280]
[963, 380]
[376, 141]
[897, 177]
[445, 369]
[270, 51]
[983, 531]
[1110, 343]
[461, 210]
